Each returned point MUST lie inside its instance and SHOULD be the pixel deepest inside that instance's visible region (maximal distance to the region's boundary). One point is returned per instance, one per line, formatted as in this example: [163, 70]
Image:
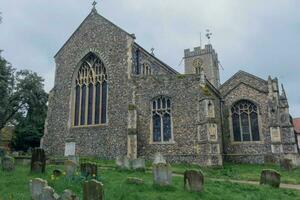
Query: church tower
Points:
[205, 60]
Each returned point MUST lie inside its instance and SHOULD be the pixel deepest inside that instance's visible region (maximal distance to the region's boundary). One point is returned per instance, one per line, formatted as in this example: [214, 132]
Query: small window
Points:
[244, 115]
[146, 69]
[161, 120]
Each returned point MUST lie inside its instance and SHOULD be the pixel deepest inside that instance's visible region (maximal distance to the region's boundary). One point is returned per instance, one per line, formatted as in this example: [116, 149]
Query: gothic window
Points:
[244, 116]
[137, 64]
[198, 70]
[146, 69]
[90, 93]
[161, 120]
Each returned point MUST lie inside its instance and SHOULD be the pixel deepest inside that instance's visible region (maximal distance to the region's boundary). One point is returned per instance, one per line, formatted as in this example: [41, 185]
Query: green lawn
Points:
[248, 172]
[116, 188]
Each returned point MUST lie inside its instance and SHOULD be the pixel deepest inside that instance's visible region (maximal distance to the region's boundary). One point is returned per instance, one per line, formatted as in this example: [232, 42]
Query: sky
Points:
[260, 37]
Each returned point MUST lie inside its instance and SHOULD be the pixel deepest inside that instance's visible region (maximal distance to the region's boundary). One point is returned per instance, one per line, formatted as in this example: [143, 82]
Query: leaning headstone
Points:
[48, 193]
[193, 180]
[135, 181]
[70, 168]
[159, 158]
[68, 195]
[57, 173]
[8, 163]
[93, 190]
[88, 169]
[270, 177]
[138, 164]
[123, 162]
[36, 188]
[162, 174]
[38, 160]
[287, 164]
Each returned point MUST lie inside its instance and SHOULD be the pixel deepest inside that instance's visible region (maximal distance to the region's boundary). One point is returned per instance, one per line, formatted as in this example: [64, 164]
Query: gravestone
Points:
[93, 190]
[8, 163]
[70, 167]
[136, 181]
[70, 149]
[38, 160]
[2, 152]
[36, 188]
[123, 162]
[287, 164]
[138, 164]
[68, 195]
[270, 177]
[88, 170]
[162, 174]
[193, 180]
[159, 158]
[57, 173]
[48, 193]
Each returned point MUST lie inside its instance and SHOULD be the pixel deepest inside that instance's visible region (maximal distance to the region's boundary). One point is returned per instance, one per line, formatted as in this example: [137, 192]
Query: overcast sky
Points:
[258, 36]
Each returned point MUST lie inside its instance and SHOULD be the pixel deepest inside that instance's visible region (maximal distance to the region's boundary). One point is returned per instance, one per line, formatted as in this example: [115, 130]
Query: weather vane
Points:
[208, 35]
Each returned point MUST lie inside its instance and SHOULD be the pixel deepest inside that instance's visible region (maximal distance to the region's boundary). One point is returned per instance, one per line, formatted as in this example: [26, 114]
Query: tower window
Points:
[90, 93]
[244, 116]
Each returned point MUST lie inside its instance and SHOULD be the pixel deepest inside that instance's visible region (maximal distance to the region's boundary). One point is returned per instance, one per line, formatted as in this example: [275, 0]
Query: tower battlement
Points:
[197, 51]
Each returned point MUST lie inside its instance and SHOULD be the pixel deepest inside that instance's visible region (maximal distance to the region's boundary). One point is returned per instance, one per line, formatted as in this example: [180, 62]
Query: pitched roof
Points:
[296, 123]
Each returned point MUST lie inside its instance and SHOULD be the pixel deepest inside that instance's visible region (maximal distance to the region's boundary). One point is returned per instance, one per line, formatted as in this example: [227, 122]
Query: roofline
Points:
[216, 91]
[93, 11]
[240, 72]
[242, 82]
[167, 67]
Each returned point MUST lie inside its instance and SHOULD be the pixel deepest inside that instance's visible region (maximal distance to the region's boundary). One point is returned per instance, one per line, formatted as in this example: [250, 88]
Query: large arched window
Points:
[90, 92]
[161, 120]
[245, 121]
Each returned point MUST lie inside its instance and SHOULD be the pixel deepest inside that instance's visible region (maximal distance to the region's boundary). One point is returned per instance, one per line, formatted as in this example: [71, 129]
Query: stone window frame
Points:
[260, 125]
[212, 104]
[171, 141]
[73, 94]
[146, 68]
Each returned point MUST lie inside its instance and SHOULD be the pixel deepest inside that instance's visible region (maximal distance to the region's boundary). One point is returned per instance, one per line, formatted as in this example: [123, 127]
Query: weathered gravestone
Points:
[138, 164]
[287, 164]
[38, 160]
[88, 169]
[70, 167]
[48, 193]
[123, 162]
[159, 158]
[270, 177]
[2, 152]
[135, 181]
[93, 190]
[68, 195]
[162, 174]
[8, 163]
[193, 180]
[36, 188]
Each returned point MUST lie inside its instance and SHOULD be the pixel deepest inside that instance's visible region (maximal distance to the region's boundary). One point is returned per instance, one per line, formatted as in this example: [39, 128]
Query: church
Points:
[111, 97]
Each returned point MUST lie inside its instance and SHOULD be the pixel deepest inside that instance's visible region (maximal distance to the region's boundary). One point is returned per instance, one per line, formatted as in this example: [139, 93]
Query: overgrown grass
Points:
[116, 188]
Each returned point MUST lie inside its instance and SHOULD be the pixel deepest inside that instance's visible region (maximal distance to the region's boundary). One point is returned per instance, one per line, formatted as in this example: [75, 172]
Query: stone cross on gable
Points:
[94, 4]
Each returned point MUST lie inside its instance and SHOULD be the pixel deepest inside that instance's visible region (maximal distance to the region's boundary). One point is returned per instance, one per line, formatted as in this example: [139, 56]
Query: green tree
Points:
[32, 113]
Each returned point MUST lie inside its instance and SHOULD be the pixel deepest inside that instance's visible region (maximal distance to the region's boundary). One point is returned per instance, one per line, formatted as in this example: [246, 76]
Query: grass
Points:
[116, 188]
[249, 172]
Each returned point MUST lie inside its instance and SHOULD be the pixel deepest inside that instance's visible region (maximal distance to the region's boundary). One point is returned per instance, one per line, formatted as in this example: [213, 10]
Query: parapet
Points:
[199, 51]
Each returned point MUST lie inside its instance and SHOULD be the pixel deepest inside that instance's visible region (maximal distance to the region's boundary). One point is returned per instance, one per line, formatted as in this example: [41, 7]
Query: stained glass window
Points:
[161, 119]
[245, 121]
[90, 95]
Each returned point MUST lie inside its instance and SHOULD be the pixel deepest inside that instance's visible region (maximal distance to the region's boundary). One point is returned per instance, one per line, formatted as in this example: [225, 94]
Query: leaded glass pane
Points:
[167, 127]
[83, 100]
[77, 104]
[90, 104]
[168, 103]
[254, 127]
[156, 128]
[104, 102]
[236, 127]
[97, 103]
[245, 127]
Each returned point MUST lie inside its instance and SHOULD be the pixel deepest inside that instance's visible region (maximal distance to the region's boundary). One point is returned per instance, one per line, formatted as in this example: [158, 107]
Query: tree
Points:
[32, 113]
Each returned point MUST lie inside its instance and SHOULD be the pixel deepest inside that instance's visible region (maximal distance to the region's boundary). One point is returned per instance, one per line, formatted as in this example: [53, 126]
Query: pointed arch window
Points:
[162, 120]
[90, 93]
[146, 69]
[245, 125]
